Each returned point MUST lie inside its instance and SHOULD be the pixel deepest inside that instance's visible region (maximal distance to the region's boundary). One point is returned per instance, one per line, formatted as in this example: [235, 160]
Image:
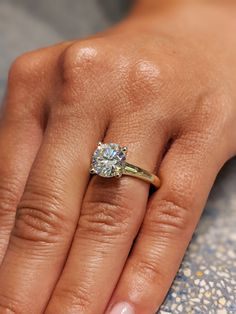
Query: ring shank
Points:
[137, 172]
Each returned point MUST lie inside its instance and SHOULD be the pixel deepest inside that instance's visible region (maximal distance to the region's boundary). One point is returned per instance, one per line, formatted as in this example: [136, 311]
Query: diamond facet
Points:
[108, 160]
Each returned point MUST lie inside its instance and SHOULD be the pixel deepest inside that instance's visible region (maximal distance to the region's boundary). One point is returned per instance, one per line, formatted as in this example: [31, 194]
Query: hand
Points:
[162, 84]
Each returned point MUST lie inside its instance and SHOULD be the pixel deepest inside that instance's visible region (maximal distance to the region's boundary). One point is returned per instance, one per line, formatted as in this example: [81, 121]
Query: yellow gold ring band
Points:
[134, 171]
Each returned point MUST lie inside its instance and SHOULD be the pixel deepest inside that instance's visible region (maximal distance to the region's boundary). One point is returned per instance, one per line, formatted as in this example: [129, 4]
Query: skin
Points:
[162, 82]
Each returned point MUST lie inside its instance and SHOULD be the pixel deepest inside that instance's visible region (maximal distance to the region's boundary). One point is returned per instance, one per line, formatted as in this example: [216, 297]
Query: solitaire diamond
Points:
[108, 160]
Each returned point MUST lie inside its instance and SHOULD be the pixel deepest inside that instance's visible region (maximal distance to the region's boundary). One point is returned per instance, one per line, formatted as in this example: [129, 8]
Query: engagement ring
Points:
[109, 160]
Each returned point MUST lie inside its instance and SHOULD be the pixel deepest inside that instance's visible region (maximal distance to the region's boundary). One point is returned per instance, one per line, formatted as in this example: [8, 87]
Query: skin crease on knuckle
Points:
[76, 297]
[170, 218]
[8, 306]
[8, 200]
[106, 215]
[40, 219]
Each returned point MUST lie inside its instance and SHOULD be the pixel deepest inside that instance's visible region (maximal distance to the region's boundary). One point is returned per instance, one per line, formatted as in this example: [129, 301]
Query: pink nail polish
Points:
[122, 308]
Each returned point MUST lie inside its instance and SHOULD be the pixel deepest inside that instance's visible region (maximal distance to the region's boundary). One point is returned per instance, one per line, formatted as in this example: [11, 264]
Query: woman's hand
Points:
[162, 84]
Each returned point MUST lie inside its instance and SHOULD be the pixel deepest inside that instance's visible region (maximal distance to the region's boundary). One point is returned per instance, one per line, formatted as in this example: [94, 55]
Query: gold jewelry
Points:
[109, 160]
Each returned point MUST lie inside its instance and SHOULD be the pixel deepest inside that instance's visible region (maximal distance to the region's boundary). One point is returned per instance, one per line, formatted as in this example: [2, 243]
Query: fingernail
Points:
[122, 308]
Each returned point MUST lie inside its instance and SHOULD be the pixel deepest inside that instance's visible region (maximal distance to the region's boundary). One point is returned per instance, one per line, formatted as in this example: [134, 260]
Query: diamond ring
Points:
[109, 160]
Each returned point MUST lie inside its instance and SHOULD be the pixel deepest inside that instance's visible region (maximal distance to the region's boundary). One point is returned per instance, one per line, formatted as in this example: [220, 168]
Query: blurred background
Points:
[206, 282]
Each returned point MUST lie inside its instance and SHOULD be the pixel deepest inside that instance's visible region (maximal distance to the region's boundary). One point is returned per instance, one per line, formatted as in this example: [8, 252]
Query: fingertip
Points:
[122, 308]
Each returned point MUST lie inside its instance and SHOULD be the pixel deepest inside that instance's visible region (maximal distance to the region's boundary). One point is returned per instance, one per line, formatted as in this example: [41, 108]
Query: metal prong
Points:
[125, 149]
[99, 143]
[92, 171]
[118, 175]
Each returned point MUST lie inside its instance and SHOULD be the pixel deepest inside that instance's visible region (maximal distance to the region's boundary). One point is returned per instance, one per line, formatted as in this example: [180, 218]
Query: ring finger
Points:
[112, 212]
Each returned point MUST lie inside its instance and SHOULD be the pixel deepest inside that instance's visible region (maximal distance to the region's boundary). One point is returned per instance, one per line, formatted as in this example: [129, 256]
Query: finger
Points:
[21, 129]
[112, 212]
[19, 142]
[48, 211]
[47, 215]
[187, 172]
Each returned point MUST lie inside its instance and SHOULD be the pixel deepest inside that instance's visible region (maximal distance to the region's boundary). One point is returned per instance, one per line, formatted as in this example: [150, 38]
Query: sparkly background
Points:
[206, 282]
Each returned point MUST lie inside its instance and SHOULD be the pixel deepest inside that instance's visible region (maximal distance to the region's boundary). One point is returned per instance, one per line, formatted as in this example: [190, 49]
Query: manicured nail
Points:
[122, 308]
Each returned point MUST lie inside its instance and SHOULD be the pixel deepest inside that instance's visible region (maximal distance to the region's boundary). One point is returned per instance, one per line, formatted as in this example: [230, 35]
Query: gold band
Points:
[137, 172]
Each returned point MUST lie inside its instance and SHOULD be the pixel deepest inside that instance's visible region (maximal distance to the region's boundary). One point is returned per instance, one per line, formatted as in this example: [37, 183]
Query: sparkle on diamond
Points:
[108, 160]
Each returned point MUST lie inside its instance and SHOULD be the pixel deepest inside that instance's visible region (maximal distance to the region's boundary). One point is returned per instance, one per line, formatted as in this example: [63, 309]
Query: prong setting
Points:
[125, 150]
[108, 160]
[118, 175]
[92, 171]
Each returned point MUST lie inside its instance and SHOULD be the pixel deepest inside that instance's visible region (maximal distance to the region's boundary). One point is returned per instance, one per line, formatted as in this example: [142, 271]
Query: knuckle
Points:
[149, 270]
[84, 69]
[143, 78]
[24, 68]
[85, 58]
[145, 70]
[17, 68]
[8, 199]
[8, 305]
[213, 111]
[148, 81]
[7, 309]
[104, 219]
[40, 218]
[107, 215]
[148, 75]
[223, 105]
[168, 218]
[76, 298]
[209, 125]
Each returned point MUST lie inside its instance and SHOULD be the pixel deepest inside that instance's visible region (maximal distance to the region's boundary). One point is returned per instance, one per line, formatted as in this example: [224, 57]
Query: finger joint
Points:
[168, 218]
[40, 218]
